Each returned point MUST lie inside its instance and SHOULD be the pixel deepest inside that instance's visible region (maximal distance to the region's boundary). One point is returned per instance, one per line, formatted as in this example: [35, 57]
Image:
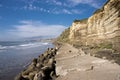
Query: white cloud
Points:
[76, 11]
[92, 3]
[30, 7]
[60, 11]
[61, 7]
[35, 28]
[66, 11]
[54, 2]
[54, 10]
[57, 2]
[35, 8]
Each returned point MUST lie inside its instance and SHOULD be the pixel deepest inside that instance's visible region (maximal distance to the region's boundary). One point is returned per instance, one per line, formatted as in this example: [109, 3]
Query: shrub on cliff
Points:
[64, 37]
[81, 21]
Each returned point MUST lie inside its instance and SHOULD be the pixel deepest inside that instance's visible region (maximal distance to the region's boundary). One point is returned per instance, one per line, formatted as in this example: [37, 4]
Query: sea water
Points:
[15, 56]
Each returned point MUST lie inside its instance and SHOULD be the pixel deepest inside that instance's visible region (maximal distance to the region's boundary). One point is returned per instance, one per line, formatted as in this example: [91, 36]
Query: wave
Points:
[24, 46]
[2, 47]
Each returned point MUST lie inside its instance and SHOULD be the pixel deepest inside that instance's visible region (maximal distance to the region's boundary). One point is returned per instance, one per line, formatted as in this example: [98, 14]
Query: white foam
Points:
[31, 45]
[45, 43]
[2, 47]
[24, 46]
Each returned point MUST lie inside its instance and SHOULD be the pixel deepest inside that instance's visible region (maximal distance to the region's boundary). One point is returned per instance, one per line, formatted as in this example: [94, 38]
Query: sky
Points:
[33, 18]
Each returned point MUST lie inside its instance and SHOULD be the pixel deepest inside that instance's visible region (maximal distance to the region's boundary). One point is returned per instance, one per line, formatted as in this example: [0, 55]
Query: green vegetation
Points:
[98, 11]
[64, 37]
[82, 21]
[106, 46]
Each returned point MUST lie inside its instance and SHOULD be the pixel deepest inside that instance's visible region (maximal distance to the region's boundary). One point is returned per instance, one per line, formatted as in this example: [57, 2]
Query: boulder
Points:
[39, 76]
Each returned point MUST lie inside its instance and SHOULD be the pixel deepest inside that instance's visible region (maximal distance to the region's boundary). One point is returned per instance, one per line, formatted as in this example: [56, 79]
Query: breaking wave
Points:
[24, 46]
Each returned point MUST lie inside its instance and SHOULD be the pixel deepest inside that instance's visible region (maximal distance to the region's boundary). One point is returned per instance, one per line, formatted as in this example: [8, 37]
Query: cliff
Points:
[103, 27]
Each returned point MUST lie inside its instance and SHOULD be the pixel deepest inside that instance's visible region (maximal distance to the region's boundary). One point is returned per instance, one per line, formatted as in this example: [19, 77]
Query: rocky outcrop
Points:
[41, 68]
[102, 27]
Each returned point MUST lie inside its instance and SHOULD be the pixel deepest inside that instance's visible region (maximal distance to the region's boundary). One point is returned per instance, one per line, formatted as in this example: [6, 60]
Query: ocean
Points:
[16, 56]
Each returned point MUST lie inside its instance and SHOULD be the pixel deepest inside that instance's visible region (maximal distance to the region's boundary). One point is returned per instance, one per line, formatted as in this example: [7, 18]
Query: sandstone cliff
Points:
[103, 27]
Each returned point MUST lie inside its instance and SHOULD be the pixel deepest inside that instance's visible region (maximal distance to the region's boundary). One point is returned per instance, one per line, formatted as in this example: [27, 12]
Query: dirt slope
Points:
[72, 64]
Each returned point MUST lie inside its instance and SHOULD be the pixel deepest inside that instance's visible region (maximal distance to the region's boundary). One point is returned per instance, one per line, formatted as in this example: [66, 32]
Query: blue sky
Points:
[32, 18]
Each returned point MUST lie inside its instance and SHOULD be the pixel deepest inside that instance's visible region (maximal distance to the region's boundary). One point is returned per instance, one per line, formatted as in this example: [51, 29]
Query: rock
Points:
[39, 76]
[31, 75]
[51, 63]
[34, 61]
[112, 61]
[53, 75]
[70, 51]
[101, 27]
[41, 68]
[39, 65]
[20, 77]
[104, 57]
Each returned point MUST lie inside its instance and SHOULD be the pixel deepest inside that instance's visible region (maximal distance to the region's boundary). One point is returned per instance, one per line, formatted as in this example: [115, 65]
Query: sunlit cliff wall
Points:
[102, 27]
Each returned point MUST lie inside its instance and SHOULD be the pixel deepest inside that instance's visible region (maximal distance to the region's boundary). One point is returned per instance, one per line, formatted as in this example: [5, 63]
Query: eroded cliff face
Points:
[102, 27]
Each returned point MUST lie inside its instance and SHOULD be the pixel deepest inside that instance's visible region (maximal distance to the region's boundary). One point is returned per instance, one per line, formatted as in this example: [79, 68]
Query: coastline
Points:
[42, 67]
[16, 59]
[65, 62]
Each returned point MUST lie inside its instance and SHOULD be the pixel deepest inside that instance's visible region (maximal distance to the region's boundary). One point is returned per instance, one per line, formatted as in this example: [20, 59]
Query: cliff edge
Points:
[102, 29]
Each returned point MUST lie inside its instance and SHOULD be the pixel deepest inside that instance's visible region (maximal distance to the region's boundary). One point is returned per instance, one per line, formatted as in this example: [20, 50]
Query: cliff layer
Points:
[103, 27]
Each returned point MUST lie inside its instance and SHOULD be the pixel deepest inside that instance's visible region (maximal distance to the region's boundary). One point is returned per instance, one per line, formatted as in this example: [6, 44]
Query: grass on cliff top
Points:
[64, 37]
[81, 21]
[105, 46]
[98, 11]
